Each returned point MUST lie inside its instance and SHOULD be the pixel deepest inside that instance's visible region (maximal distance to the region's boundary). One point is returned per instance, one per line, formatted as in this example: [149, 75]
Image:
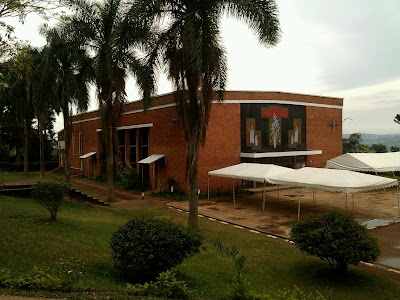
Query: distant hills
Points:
[387, 139]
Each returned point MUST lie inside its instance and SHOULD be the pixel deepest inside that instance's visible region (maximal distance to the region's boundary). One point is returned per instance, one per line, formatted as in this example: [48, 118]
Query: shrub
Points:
[129, 180]
[238, 259]
[143, 248]
[166, 286]
[5, 278]
[37, 279]
[50, 195]
[335, 237]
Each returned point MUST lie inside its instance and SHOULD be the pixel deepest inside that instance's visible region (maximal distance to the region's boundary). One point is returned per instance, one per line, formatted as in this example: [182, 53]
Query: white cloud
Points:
[335, 48]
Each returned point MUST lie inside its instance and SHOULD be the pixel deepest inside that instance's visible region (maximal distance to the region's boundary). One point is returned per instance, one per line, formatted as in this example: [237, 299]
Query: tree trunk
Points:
[18, 155]
[27, 127]
[110, 160]
[67, 140]
[41, 139]
[193, 220]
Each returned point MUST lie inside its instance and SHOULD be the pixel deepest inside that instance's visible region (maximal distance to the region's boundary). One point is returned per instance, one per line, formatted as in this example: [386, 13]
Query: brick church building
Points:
[286, 129]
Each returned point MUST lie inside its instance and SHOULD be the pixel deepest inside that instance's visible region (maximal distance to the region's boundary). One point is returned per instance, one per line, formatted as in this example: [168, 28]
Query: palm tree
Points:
[71, 69]
[189, 47]
[19, 93]
[112, 32]
[14, 101]
[44, 95]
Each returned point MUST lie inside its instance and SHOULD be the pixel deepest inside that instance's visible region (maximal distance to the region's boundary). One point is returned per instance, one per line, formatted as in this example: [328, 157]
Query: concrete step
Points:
[86, 198]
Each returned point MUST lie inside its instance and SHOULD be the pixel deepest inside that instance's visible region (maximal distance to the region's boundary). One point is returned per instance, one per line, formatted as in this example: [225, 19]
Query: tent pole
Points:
[264, 196]
[398, 202]
[298, 207]
[142, 179]
[279, 187]
[352, 196]
[154, 176]
[233, 190]
[208, 187]
[345, 205]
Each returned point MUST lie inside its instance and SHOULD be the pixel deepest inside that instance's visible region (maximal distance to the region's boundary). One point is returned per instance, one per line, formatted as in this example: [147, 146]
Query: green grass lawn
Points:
[13, 176]
[83, 233]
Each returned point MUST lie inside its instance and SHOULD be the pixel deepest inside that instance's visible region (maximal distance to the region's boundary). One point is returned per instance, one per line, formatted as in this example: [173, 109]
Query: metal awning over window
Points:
[150, 159]
[87, 155]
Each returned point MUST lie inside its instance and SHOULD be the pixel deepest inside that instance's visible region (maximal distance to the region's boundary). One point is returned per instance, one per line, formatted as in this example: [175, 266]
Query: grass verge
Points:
[82, 233]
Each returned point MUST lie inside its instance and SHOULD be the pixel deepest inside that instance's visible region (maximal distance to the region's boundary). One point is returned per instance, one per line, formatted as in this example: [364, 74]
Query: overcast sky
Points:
[341, 48]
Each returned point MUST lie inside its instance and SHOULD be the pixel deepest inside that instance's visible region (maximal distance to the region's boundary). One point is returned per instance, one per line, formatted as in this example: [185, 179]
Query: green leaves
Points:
[50, 195]
[335, 237]
[146, 247]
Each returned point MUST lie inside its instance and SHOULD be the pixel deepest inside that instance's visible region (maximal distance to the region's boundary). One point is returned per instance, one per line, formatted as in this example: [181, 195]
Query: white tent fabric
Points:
[344, 181]
[249, 171]
[366, 162]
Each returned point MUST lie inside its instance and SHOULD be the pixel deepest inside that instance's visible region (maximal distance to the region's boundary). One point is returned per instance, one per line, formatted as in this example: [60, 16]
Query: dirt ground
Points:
[373, 209]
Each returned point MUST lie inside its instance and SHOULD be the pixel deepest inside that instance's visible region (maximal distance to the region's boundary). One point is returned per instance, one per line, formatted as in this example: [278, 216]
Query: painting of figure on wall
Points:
[250, 132]
[297, 130]
[275, 131]
[294, 136]
[291, 137]
[257, 140]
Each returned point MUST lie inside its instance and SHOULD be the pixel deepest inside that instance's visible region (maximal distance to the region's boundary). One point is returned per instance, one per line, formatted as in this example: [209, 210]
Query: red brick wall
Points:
[321, 136]
[89, 141]
[222, 147]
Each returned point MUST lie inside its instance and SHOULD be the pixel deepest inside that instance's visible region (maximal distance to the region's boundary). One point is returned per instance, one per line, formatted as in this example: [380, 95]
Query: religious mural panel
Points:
[276, 127]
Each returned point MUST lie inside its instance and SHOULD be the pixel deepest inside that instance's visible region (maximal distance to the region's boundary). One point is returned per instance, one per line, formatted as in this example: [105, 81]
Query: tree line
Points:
[354, 144]
[102, 42]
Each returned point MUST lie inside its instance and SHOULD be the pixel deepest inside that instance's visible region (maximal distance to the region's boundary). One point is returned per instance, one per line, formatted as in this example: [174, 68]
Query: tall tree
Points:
[71, 68]
[18, 92]
[44, 94]
[351, 144]
[112, 31]
[189, 48]
[20, 9]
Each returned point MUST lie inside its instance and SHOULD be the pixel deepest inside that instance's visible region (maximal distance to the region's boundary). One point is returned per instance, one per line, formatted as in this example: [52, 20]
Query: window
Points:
[121, 138]
[80, 143]
[73, 144]
[144, 132]
[132, 147]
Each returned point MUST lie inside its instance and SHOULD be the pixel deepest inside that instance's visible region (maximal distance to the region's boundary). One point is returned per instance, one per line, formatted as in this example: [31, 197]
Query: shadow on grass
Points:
[321, 273]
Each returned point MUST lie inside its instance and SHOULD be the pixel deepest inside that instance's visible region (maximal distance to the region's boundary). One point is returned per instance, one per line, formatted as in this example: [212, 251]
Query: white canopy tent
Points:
[344, 181]
[366, 162]
[248, 171]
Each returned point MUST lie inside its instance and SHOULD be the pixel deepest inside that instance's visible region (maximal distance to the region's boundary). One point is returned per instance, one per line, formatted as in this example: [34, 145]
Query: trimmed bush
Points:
[143, 248]
[335, 237]
[50, 194]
